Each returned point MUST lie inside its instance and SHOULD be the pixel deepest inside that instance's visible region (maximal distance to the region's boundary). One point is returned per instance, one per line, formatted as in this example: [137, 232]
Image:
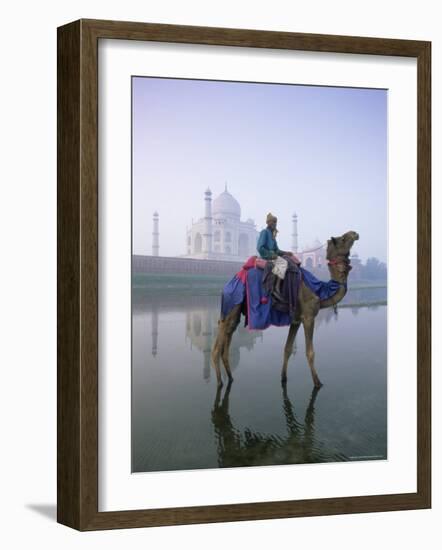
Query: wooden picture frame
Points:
[77, 224]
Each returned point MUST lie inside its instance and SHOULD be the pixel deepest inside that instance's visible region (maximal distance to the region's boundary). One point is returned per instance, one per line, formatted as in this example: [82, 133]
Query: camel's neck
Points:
[342, 290]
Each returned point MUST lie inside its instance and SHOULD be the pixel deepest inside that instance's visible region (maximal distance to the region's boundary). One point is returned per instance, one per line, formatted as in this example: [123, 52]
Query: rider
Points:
[268, 250]
[267, 245]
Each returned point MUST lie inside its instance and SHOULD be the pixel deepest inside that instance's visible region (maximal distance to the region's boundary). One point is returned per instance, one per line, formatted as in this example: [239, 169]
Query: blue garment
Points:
[233, 294]
[260, 313]
[322, 289]
[267, 246]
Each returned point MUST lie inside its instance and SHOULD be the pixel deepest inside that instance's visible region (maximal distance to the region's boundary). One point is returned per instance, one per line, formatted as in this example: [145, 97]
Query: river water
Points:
[180, 420]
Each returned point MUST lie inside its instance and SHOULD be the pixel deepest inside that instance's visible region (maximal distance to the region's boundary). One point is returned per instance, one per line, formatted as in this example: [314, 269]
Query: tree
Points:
[374, 269]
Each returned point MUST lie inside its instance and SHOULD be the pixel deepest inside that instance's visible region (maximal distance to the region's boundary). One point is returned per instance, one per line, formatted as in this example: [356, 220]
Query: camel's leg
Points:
[231, 324]
[225, 356]
[226, 328]
[309, 325]
[288, 349]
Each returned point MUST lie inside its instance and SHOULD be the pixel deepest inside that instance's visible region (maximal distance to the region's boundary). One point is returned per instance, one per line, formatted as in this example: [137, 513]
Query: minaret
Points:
[207, 236]
[295, 233]
[155, 235]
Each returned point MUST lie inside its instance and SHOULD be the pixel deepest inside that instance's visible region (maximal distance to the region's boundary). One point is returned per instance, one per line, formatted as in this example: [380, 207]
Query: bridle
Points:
[341, 260]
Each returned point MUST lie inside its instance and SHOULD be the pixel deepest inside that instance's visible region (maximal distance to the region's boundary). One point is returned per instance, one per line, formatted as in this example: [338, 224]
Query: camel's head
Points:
[339, 247]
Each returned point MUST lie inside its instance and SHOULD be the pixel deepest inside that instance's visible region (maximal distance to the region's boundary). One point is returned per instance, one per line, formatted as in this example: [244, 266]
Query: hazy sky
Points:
[318, 151]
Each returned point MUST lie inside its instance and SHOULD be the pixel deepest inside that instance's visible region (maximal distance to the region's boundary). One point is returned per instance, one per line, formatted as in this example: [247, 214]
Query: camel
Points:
[307, 308]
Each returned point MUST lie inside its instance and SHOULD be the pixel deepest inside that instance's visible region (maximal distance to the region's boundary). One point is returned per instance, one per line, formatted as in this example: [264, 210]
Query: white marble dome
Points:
[220, 234]
[226, 205]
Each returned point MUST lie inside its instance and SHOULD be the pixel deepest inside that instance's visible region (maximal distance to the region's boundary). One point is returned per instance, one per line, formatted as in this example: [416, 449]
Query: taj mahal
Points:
[222, 235]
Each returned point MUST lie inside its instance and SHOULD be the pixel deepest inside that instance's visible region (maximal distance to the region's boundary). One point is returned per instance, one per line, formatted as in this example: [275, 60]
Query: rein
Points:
[314, 249]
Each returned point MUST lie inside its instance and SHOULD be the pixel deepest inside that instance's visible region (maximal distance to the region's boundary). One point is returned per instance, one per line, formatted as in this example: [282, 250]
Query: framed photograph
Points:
[243, 274]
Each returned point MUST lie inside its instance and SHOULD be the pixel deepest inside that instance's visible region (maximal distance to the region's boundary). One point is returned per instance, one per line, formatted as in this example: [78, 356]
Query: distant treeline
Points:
[373, 269]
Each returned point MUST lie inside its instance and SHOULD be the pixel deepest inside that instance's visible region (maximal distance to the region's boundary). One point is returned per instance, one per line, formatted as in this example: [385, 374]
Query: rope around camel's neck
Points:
[339, 276]
[335, 267]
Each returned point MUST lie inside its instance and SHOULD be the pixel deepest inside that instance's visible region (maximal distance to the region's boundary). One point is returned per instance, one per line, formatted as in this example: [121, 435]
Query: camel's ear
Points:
[333, 240]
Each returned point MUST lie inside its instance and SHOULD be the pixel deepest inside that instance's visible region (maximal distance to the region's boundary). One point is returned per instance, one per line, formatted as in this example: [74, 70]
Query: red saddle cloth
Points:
[251, 263]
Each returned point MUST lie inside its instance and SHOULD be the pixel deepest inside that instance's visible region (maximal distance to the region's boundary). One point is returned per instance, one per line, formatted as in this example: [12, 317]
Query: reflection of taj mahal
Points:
[201, 325]
[221, 235]
[201, 328]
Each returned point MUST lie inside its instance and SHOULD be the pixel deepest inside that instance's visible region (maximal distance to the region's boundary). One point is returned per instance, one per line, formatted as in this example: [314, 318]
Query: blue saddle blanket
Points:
[257, 302]
[323, 289]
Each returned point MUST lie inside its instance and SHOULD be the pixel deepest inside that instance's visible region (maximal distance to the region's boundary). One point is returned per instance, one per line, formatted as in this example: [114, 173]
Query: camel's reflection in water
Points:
[249, 448]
